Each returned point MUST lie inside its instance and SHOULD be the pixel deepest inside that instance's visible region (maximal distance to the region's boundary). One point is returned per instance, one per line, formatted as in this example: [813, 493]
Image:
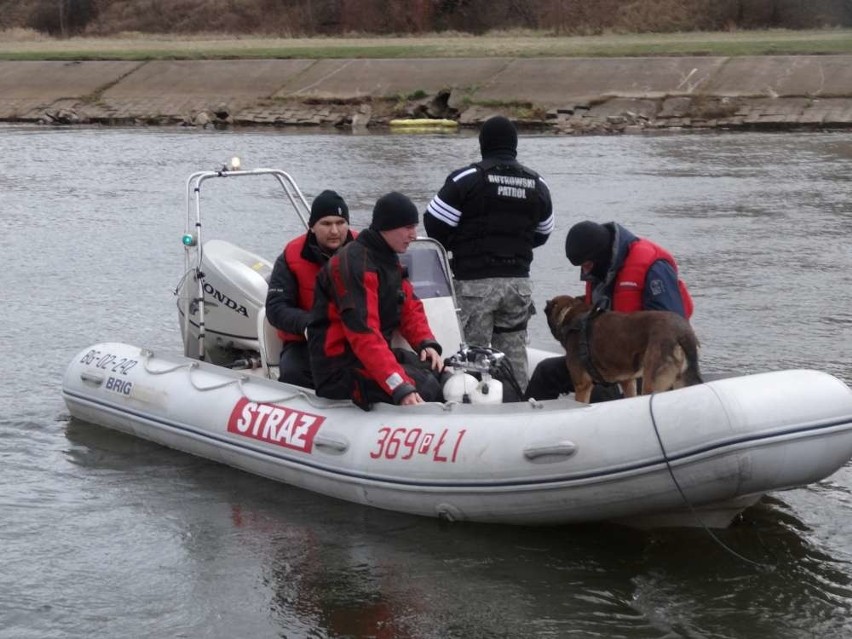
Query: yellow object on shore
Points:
[423, 123]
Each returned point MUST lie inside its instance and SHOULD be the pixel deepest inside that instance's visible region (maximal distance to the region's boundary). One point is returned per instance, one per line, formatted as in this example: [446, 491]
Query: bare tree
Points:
[64, 18]
[63, 26]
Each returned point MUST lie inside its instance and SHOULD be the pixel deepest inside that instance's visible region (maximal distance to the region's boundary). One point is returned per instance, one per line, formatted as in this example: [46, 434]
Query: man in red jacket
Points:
[291, 286]
[623, 273]
[362, 296]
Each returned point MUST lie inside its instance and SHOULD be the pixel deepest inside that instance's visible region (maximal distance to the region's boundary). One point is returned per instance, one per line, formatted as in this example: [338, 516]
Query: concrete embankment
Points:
[569, 95]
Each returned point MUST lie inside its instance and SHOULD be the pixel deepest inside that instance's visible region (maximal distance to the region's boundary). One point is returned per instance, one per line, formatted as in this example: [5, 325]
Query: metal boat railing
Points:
[193, 230]
[426, 259]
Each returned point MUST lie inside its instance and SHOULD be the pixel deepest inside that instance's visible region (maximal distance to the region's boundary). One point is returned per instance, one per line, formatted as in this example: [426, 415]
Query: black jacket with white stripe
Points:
[490, 215]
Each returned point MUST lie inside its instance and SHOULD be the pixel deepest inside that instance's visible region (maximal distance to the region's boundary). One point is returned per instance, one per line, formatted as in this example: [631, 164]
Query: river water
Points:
[103, 535]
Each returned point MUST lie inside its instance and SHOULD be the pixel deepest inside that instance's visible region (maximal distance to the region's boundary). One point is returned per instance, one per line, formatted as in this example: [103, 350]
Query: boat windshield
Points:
[427, 267]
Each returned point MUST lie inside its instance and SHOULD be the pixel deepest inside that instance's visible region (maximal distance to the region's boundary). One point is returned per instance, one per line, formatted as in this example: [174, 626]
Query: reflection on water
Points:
[320, 565]
[108, 535]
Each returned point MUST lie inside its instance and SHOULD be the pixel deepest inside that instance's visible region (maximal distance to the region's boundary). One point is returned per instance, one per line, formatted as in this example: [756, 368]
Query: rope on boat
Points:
[181, 281]
[283, 398]
[308, 397]
[237, 382]
[149, 355]
[713, 536]
[240, 382]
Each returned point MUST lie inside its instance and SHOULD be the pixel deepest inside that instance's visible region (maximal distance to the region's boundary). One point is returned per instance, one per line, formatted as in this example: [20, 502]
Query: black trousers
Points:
[354, 385]
[550, 378]
[294, 366]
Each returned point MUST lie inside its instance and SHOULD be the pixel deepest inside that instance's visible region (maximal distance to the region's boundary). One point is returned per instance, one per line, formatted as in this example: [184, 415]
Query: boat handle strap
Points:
[561, 449]
[338, 445]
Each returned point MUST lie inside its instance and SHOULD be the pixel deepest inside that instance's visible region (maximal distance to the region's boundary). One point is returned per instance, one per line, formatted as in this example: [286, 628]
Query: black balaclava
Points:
[498, 137]
[589, 242]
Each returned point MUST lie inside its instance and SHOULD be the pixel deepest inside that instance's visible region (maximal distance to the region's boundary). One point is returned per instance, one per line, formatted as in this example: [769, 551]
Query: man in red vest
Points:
[291, 286]
[623, 273]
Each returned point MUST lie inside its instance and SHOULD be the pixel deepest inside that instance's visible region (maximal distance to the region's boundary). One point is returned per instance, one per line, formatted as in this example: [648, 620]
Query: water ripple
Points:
[107, 532]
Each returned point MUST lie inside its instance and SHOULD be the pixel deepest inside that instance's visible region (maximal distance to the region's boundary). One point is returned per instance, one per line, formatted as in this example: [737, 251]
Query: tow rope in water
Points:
[713, 536]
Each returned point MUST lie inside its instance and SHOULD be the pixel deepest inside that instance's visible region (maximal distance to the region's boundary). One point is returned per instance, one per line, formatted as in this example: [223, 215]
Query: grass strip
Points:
[524, 45]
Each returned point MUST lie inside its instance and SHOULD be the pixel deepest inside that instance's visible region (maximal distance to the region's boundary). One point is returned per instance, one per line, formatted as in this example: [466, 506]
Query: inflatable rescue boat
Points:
[696, 456]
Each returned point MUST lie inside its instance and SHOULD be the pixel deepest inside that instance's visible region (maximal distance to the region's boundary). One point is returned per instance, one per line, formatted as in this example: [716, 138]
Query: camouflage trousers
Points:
[494, 312]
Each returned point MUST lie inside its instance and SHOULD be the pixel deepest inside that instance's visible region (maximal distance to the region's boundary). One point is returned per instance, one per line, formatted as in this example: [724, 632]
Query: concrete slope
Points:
[568, 94]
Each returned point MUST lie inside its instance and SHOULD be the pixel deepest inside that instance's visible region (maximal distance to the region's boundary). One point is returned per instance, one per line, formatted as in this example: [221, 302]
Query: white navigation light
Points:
[234, 164]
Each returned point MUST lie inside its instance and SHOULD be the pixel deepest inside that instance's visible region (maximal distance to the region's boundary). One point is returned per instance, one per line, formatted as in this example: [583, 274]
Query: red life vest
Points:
[305, 273]
[630, 279]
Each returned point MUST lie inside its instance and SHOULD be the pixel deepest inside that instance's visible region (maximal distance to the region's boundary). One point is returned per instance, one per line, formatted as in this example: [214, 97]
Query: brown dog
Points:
[658, 346]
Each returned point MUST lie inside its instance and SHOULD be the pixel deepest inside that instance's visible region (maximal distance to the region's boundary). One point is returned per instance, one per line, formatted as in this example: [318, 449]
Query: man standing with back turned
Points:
[490, 216]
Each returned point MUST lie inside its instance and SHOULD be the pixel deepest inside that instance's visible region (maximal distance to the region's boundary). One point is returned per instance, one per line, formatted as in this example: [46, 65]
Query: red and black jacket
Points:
[361, 297]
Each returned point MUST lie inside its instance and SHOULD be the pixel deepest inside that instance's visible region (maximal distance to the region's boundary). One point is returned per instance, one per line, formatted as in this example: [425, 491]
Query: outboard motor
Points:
[233, 287]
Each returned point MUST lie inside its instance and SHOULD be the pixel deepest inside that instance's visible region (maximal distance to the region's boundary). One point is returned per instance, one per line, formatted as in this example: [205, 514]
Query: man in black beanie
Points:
[489, 216]
[362, 296]
[623, 273]
[589, 242]
[291, 285]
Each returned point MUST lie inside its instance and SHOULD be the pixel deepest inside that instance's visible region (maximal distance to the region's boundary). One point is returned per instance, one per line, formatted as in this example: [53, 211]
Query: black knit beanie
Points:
[393, 211]
[588, 242]
[498, 136]
[328, 203]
